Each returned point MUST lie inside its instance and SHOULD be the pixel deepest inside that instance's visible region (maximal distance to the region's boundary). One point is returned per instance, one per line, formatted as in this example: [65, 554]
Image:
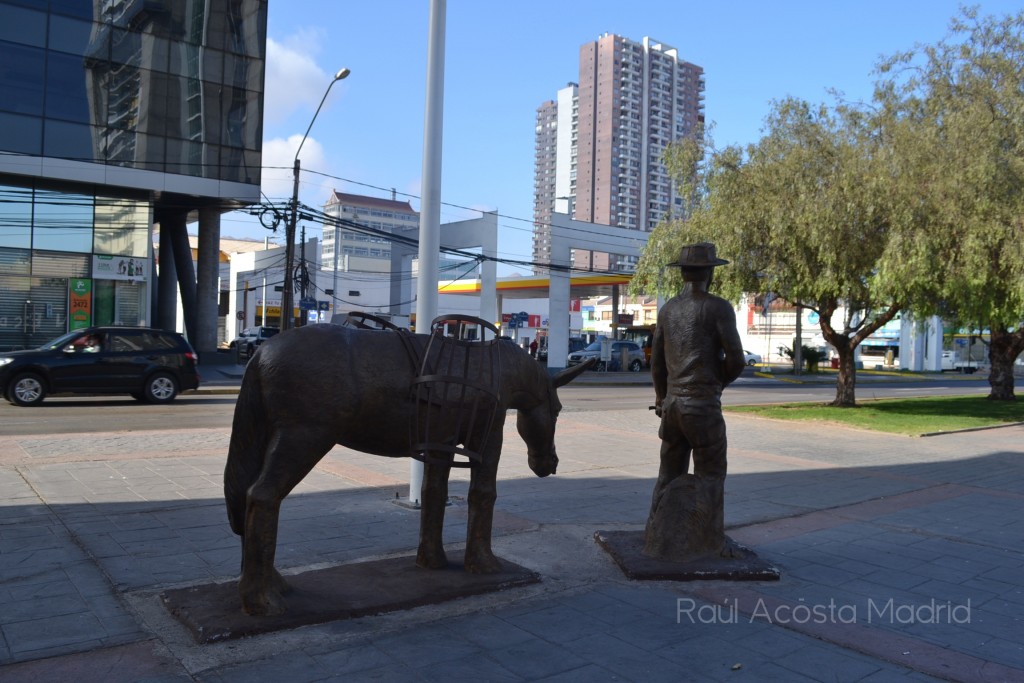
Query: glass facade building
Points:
[112, 111]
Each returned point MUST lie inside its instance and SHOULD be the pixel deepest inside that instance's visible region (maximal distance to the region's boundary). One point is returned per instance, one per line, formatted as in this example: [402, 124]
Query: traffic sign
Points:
[307, 303]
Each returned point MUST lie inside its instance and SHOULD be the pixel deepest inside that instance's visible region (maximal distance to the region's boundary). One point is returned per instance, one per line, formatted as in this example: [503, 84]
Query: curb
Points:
[972, 429]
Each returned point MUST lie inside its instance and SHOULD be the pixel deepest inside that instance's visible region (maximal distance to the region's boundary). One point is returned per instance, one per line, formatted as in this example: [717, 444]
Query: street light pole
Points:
[287, 293]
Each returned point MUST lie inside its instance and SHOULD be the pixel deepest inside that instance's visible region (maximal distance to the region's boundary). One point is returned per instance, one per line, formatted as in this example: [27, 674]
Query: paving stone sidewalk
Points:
[900, 558]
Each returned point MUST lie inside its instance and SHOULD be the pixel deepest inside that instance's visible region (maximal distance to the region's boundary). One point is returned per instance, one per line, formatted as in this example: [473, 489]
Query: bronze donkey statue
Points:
[308, 389]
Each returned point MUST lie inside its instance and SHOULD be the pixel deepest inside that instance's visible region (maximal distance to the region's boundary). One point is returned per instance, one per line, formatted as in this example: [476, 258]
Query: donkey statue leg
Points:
[482, 494]
[433, 499]
[288, 460]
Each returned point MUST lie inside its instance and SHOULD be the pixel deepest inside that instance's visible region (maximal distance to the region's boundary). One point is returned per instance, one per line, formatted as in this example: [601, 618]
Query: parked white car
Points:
[751, 358]
[634, 358]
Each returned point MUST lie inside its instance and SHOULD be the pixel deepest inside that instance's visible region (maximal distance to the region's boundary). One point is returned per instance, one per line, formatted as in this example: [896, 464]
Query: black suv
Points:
[249, 340]
[150, 365]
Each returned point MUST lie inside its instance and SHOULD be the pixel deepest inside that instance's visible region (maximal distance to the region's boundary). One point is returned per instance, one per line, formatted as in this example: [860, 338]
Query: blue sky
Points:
[504, 58]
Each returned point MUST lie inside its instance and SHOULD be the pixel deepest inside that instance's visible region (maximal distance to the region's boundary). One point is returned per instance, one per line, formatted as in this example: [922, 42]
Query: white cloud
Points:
[294, 80]
[278, 161]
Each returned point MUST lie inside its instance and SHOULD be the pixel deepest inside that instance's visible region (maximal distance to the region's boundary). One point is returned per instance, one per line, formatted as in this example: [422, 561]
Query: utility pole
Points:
[287, 295]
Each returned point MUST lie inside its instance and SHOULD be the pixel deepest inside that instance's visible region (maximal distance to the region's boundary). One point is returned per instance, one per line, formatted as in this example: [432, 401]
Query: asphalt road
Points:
[83, 415]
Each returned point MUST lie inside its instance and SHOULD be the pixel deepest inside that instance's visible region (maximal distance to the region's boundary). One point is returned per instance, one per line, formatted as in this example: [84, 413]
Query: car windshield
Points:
[595, 346]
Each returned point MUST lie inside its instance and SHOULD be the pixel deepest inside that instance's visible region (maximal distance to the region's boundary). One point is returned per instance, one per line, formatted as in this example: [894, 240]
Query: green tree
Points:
[806, 213]
[954, 115]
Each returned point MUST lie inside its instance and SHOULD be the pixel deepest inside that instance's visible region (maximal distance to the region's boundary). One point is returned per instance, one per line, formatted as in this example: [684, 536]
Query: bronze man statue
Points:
[696, 353]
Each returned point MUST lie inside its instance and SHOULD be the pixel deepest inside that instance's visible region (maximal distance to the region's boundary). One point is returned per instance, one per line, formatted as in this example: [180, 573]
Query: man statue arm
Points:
[659, 371]
[732, 346]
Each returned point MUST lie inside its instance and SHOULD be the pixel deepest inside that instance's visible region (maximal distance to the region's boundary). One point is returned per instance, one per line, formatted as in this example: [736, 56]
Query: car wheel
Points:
[160, 388]
[751, 362]
[635, 366]
[26, 389]
[249, 350]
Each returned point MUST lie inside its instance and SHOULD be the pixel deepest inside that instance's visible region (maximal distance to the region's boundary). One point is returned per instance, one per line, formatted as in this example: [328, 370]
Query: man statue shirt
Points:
[696, 353]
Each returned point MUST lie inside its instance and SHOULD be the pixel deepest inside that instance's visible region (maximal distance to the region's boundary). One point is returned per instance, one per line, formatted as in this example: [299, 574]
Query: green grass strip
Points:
[911, 416]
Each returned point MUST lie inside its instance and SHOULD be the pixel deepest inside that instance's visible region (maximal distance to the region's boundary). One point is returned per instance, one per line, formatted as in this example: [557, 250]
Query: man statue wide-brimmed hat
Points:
[700, 255]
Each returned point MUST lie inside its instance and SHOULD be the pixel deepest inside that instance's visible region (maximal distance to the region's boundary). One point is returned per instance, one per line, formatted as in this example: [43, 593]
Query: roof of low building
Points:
[369, 202]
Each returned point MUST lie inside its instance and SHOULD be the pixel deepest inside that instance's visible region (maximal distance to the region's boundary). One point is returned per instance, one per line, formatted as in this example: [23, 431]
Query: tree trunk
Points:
[1002, 351]
[847, 381]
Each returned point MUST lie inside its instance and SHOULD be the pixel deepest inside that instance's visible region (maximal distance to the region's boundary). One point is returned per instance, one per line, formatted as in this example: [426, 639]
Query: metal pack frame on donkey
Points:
[440, 397]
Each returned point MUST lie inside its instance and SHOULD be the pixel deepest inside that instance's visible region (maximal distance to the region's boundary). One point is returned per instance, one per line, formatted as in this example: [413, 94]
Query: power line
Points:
[599, 235]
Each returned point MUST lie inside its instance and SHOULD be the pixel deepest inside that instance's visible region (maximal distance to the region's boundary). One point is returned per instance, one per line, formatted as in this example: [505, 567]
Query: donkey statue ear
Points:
[569, 374]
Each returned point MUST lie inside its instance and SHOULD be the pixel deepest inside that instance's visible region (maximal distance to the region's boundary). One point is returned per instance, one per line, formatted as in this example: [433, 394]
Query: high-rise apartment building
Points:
[599, 146]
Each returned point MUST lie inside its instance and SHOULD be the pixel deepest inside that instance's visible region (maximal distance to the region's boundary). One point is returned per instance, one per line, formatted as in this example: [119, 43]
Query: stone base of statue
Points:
[685, 538]
[211, 612]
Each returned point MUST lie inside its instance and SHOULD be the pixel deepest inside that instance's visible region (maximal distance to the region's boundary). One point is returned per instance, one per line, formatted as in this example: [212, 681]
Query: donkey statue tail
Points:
[247, 446]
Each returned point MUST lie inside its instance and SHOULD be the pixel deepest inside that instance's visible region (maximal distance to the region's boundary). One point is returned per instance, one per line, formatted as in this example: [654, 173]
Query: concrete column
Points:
[489, 310]
[933, 345]
[401, 279]
[615, 311]
[558, 319]
[911, 343]
[207, 281]
[184, 268]
[167, 293]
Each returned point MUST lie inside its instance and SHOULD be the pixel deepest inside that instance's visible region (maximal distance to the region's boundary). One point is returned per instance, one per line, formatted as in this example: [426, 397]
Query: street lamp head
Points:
[342, 73]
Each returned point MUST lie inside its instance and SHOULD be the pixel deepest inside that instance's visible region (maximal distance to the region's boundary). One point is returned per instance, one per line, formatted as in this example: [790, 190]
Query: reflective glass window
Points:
[70, 35]
[150, 153]
[212, 64]
[155, 52]
[75, 8]
[69, 141]
[121, 227]
[125, 47]
[184, 157]
[119, 146]
[123, 98]
[184, 60]
[232, 162]
[251, 138]
[63, 222]
[15, 217]
[213, 114]
[21, 134]
[21, 88]
[65, 88]
[211, 161]
[22, 25]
